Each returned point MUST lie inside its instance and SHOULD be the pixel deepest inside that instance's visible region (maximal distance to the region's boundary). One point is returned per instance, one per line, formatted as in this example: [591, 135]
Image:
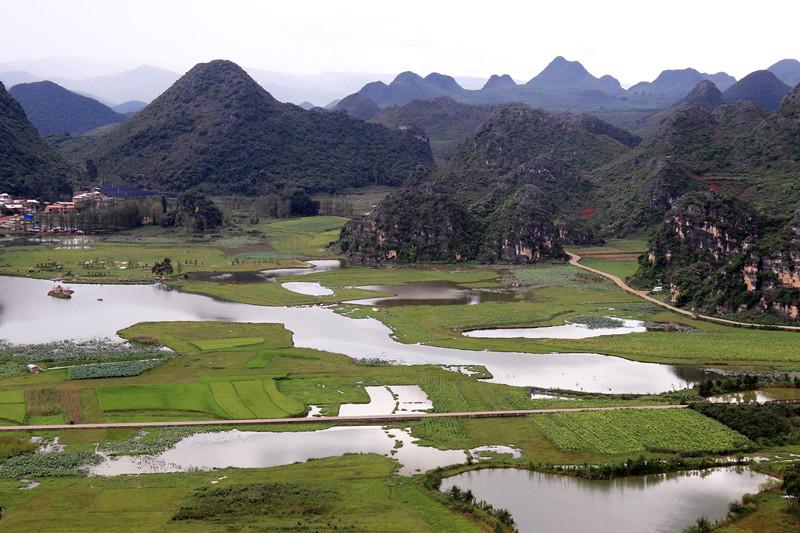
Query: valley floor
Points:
[226, 371]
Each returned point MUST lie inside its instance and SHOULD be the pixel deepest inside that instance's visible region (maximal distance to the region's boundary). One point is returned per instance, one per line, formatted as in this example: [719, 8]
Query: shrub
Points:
[49, 464]
[113, 370]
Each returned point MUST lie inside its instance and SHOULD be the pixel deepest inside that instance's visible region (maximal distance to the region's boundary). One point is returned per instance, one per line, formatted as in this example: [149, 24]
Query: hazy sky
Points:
[632, 40]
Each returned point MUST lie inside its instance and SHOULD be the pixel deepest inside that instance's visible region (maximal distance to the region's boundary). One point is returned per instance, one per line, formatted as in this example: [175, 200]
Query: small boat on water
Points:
[59, 291]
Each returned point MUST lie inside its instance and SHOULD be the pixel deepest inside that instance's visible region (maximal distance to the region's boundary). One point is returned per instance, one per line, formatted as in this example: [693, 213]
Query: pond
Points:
[321, 265]
[757, 396]
[309, 288]
[28, 315]
[262, 449]
[388, 400]
[654, 503]
[567, 331]
[432, 293]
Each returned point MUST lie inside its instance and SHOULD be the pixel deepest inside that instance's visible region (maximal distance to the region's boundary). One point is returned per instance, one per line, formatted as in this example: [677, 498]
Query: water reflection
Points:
[567, 331]
[656, 503]
[255, 449]
[321, 265]
[432, 293]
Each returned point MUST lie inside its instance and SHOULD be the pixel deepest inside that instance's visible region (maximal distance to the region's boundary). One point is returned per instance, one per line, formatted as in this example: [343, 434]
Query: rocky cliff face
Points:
[412, 225]
[521, 231]
[421, 225]
[716, 254]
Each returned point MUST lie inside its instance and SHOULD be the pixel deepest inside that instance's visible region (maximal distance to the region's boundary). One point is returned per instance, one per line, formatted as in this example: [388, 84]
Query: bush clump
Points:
[113, 370]
[58, 464]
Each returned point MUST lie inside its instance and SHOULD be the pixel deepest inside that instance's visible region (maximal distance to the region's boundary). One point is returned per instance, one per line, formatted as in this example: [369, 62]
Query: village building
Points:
[60, 208]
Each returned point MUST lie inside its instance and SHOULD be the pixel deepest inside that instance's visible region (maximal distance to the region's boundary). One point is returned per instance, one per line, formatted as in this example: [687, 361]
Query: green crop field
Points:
[621, 268]
[618, 432]
[224, 344]
[191, 397]
[12, 406]
[228, 399]
[263, 399]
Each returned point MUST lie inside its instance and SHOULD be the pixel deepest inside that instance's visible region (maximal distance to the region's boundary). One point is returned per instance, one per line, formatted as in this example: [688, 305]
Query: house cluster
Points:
[18, 205]
[20, 213]
[14, 211]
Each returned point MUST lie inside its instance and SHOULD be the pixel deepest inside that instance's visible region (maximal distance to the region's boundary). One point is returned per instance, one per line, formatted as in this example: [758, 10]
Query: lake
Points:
[654, 503]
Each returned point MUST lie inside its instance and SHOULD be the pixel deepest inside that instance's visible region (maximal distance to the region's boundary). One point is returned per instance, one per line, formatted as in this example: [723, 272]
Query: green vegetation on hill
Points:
[717, 254]
[446, 122]
[217, 128]
[695, 149]
[54, 109]
[28, 166]
[512, 192]
[761, 87]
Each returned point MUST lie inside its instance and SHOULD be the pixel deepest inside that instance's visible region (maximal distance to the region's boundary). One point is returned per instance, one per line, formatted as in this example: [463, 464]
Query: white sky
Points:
[632, 40]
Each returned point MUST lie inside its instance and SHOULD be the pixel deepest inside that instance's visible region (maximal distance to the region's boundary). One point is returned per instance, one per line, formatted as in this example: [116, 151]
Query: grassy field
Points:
[768, 513]
[129, 256]
[348, 493]
[617, 256]
[12, 406]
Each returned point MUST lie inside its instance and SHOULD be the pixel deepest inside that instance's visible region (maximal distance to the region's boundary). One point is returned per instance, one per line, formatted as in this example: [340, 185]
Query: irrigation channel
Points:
[575, 260]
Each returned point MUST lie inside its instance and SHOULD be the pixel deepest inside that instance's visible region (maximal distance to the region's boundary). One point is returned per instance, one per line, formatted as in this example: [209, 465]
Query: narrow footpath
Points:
[574, 260]
[342, 420]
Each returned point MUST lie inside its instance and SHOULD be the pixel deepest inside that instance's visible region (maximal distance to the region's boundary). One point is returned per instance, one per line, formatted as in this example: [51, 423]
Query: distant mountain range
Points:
[566, 86]
[787, 70]
[761, 87]
[54, 109]
[580, 90]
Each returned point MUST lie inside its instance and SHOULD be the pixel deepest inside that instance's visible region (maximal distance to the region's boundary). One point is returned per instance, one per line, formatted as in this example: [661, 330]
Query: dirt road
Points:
[342, 420]
[574, 260]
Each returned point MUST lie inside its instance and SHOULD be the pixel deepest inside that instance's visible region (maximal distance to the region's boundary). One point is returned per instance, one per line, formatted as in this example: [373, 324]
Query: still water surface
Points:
[262, 449]
[567, 331]
[28, 315]
[432, 293]
[654, 503]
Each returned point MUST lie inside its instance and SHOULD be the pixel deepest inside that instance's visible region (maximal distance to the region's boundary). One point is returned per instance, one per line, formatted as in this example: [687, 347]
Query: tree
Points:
[196, 211]
[791, 483]
[302, 205]
[162, 268]
[91, 170]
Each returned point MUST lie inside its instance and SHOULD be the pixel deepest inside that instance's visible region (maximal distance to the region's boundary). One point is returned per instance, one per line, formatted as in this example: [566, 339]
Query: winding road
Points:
[574, 260]
[371, 419]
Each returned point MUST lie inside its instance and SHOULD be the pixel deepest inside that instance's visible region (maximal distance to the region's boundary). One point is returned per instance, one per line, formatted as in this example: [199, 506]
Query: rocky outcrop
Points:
[521, 231]
[422, 225]
[413, 225]
[717, 254]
